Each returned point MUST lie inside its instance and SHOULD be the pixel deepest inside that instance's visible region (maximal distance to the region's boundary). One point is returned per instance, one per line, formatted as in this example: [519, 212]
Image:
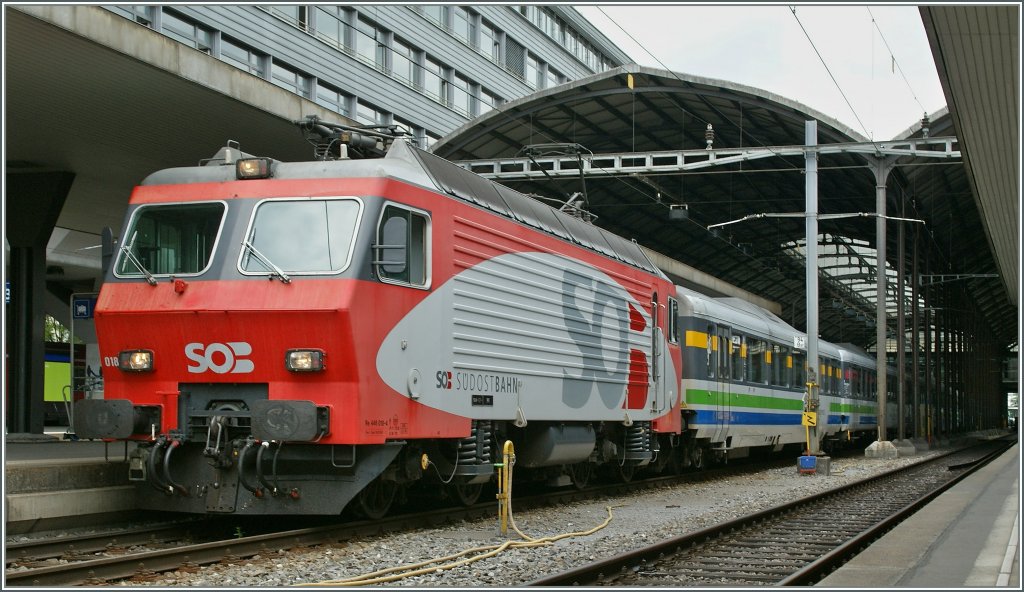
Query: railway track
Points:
[159, 548]
[794, 544]
[79, 546]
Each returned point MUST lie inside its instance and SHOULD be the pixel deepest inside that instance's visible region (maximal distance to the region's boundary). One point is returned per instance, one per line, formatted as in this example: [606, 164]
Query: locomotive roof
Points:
[410, 164]
[459, 182]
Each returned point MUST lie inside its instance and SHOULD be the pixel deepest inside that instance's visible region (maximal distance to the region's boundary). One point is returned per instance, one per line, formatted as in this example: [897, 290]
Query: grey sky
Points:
[763, 46]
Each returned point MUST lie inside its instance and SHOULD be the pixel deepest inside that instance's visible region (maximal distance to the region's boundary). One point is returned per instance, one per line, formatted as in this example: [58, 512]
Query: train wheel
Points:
[625, 472]
[375, 500]
[580, 474]
[466, 494]
[698, 458]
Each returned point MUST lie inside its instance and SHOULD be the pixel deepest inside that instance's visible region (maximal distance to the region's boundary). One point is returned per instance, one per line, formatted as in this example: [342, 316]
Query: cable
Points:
[815, 48]
[672, 72]
[393, 574]
[880, 34]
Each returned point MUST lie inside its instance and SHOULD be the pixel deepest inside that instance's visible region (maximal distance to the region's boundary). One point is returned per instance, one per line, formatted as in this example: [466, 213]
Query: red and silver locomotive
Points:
[298, 338]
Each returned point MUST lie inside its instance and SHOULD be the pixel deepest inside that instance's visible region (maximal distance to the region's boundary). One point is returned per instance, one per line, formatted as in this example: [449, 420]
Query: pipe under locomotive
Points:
[298, 338]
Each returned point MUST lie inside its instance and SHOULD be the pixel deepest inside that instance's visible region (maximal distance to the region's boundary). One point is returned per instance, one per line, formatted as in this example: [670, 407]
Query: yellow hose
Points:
[504, 496]
[392, 574]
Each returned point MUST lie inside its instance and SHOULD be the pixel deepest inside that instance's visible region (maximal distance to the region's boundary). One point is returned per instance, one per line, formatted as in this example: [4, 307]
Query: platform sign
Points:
[810, 419]
[81, 308]
[799, 342]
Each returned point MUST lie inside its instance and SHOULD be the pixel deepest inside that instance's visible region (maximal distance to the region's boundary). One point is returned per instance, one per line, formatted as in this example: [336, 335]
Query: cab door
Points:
[659, 356]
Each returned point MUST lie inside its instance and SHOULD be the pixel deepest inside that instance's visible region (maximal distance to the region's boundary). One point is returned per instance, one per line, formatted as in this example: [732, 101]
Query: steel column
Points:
[901, 332]
[811, 226]
[882, 167]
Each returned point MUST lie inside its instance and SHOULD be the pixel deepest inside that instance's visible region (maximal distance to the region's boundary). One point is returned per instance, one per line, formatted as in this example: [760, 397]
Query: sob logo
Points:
[222, 358]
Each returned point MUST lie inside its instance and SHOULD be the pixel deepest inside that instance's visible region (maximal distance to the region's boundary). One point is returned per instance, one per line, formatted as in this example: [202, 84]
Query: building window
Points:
[403, 62]
[461, 95]
[434, 83]
[369, 45]
[333, 99]
[242, 57]
[488, 101]
[294, 15]
[533, 78]
[462, 24]
[291, 80]
[553, 78]
[187, 32]
[434, 13]
[367, 115]
[332, 25]
[490, 44]
[141, 14]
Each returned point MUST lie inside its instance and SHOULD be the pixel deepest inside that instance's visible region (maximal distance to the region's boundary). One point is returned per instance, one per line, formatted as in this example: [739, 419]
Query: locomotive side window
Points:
[403, 247]
[301, 236]
[673, 320]
[170, 239]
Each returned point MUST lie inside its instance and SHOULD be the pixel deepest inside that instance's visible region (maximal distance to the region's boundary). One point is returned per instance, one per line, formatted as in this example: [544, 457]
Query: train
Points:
[338, 334]
[744, 384]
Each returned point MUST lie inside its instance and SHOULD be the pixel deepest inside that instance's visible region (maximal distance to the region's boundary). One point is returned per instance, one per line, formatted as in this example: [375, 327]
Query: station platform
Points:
[969, 536]
[51, 482]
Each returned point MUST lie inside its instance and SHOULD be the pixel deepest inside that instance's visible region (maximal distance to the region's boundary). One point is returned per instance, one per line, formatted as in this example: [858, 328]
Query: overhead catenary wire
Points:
[827, 69]
[894, 61]
[672, 72]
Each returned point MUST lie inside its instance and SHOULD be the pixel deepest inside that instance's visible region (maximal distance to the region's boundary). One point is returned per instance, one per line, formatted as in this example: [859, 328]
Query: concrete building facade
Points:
[425, 68]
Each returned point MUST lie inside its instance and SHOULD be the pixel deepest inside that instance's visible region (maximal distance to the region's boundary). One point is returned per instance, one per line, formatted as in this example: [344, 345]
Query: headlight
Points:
[304, 360]
[252, 168]
[135, 360]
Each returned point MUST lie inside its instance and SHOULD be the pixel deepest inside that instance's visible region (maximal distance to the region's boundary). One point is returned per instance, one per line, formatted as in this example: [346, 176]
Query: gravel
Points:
[636, 520]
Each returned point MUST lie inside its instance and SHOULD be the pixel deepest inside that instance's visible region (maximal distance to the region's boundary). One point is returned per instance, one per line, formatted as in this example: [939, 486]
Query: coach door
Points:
[723, 380]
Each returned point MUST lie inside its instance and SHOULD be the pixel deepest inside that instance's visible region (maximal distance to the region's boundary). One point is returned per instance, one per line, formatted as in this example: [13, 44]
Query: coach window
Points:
[724, 347]
[402, 251]
[779, 377]
[799, 369]
[738, 354]
[712, 359]
[756, 361]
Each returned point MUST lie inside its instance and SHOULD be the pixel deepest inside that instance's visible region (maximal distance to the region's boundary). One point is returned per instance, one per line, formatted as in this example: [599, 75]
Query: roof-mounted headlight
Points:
[135, 360]
[304, 360]
[252, 168]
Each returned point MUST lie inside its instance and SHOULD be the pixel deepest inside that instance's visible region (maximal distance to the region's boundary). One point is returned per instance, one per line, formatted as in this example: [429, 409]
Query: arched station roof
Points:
[641, 109]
